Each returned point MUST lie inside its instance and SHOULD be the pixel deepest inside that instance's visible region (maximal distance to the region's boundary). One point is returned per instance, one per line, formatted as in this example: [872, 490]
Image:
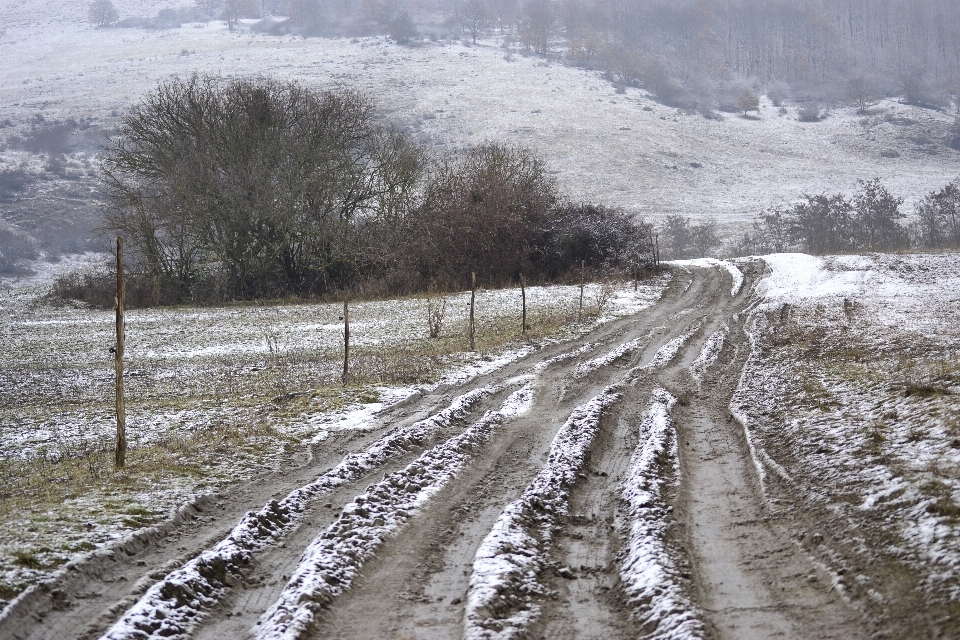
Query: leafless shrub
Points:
[16, 250]
[604, 295]
[809, 113]
[436, 310]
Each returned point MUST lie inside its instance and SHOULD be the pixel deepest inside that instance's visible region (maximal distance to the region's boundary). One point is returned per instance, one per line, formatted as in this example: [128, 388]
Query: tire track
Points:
[592, 515]
[332, 561]
[172, 607]
[500, 601]
[508, 573]
[751, 581]
[652, 583]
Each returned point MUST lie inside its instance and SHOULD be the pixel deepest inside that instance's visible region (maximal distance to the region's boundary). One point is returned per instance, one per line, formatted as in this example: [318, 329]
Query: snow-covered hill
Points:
[616, 148]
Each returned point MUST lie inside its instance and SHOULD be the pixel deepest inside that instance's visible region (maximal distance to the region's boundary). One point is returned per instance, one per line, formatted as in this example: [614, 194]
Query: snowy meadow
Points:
[217, 395]
[604, 145]
[851, 398]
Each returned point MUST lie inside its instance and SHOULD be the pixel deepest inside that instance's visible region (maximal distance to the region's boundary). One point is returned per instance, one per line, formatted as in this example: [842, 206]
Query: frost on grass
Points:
[332, 561]
[173, 606]
[650, 578]
[709, 354]
[215, 395]
[852, 398]
[508, 562]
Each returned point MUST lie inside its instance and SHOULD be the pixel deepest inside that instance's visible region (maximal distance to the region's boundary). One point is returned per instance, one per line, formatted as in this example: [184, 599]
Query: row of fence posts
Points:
[121, 413]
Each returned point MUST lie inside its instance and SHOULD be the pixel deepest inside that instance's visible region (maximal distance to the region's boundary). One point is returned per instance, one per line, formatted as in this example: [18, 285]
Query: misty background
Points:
[893, 66]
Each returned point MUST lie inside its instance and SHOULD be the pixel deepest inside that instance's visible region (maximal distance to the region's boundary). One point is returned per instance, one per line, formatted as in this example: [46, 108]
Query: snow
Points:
[563, 357]
[850, 396]
[709, 354]
[607, 359]
[736, 275]
[160, 613]
[333, 560]
[475, 369]
[738, 406]
[648, 573]
[508, 561]
[795, 277]
[359, 417]
[669, 351]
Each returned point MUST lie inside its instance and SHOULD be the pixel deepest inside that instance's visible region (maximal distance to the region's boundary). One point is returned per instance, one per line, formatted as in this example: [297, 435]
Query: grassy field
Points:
[853, 389]
[217, 395]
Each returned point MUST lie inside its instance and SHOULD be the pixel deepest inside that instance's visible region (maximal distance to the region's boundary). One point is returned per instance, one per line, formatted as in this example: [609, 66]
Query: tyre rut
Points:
[415, 585]
[751, 580]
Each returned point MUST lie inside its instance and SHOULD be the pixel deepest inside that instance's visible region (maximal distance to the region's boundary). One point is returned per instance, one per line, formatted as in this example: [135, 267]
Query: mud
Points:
[743, 570]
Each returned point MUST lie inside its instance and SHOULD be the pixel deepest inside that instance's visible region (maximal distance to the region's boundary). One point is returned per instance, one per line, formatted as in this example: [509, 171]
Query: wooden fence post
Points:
[656, 251]
[583, 265]
[636, 271]
[120, 458]
[346, 336]
[473, 291]
[523, 297]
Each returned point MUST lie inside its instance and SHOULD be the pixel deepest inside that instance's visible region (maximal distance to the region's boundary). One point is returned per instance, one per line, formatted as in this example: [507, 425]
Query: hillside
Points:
[620, 149]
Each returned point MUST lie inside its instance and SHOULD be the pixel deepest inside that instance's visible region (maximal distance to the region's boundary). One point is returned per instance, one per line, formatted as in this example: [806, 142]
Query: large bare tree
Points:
[268, 183]
[102, 13]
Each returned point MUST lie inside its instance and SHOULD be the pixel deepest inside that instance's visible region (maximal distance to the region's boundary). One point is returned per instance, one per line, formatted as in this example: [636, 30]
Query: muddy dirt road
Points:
[596, 489]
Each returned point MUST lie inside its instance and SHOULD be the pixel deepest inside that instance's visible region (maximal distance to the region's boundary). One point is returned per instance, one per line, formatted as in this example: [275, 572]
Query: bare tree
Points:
[953, 135]
[210, 8]
[304, 12]
[538, 25]
[268, 184]
[473, 16]
[877, 218]
[939, 218]
[703, 237]
[747, 101]
[503, 12]
[102, 13]
[860, 90]
[234, 10]
[677, 237]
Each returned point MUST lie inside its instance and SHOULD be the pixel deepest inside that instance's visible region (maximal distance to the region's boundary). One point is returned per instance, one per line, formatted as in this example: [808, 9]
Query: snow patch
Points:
[333, 560]
[709, 354]
[172, 607]
[649, 576]
[736, 275]
[508, 561]
[607, 359]
[668, 351]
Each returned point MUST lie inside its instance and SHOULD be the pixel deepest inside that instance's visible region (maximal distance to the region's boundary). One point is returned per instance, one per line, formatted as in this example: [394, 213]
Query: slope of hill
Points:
[620, 149]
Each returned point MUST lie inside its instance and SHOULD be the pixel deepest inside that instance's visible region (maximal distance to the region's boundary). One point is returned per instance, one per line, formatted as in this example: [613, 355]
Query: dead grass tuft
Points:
[27, 559]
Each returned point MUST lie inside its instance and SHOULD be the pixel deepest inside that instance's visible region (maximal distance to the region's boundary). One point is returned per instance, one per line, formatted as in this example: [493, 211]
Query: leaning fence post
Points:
[523, 298]
[346, 336]
[473, 291]
[121, 450]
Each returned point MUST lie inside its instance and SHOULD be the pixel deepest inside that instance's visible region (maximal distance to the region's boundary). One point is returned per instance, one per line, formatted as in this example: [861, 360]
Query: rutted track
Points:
[579, 514]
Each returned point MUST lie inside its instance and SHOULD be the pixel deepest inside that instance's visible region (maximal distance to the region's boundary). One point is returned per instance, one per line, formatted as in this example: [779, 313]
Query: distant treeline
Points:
[689, 53]
[702, 53]
[258, 188]
[872, 220]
